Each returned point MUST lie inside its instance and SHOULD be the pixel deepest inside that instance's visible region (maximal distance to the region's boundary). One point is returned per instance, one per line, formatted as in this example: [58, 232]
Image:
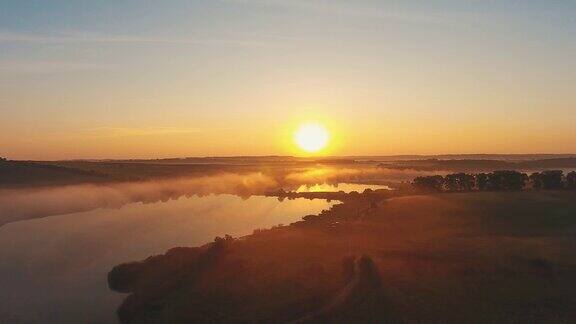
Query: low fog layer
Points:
[22, 204]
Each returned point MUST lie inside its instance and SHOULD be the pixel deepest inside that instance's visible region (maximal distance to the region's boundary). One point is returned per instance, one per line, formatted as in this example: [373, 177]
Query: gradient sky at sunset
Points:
[120, 79]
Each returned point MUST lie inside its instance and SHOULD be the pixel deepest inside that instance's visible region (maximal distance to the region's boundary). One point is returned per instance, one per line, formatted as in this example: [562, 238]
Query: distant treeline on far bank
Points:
[505, 180]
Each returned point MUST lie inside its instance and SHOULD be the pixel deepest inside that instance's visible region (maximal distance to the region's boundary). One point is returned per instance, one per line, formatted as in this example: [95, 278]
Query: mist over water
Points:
[19, 204]
[30, 203]
[54, 268]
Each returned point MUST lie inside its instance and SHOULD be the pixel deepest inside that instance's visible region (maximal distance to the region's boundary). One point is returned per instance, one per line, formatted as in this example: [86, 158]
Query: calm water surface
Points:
[54, 269]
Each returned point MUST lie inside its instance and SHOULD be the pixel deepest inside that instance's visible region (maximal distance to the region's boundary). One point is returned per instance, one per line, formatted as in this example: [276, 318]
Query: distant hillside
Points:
[482, 165]
[498, 157]
[18, 173]
[225, 160]
[550, 163]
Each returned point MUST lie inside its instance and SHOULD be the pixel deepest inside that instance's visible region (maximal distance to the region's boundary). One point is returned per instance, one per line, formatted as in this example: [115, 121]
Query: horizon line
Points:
[207, 157]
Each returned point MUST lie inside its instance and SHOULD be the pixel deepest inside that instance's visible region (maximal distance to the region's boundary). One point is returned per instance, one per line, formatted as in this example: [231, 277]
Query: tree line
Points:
[505, 180]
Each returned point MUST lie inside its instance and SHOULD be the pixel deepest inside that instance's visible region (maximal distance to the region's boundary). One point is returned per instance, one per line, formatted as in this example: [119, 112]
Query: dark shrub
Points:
[536, 180]
[482, 181]
[434, 183]
[459, 182]
[507, 180]
[571, 180]
[552, 179]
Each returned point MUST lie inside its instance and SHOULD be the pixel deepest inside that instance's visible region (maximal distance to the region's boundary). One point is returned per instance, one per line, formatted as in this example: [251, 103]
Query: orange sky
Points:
[223, 77]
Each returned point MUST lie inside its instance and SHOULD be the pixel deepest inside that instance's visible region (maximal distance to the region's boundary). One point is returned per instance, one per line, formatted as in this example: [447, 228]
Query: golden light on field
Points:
[312, 137]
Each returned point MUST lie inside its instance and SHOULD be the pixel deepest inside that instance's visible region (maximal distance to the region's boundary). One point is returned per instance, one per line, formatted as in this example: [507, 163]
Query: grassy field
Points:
[459, 257]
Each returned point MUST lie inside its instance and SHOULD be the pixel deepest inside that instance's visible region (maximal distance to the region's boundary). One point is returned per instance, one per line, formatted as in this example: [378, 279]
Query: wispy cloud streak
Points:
[48, 66]
[93, 38]
[341, 9]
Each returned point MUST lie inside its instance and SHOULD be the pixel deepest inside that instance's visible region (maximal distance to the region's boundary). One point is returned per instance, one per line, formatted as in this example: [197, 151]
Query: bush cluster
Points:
[504, 180]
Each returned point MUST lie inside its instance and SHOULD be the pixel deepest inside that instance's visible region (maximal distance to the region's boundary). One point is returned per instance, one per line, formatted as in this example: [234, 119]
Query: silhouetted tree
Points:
[482, 181]
[536, 180]
[552, 179]
[451, 183]
[459, 182]
[571, 180]
[221, 242]
[435, 183]
[507, 180]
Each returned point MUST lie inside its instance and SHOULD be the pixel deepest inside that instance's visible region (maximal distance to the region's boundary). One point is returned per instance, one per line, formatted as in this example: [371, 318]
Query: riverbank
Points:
[459, 257]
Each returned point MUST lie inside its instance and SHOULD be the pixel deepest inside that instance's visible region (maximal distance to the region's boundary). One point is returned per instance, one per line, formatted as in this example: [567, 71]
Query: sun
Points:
[312, 137]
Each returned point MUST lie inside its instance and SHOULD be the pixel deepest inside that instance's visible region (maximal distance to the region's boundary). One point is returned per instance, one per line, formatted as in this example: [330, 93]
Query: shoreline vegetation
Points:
[487, 248]
[502, 180]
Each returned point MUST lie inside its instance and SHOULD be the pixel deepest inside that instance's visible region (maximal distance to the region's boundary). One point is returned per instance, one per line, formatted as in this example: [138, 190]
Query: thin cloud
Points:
[45, 66]
[94, 38]
[341, 9]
